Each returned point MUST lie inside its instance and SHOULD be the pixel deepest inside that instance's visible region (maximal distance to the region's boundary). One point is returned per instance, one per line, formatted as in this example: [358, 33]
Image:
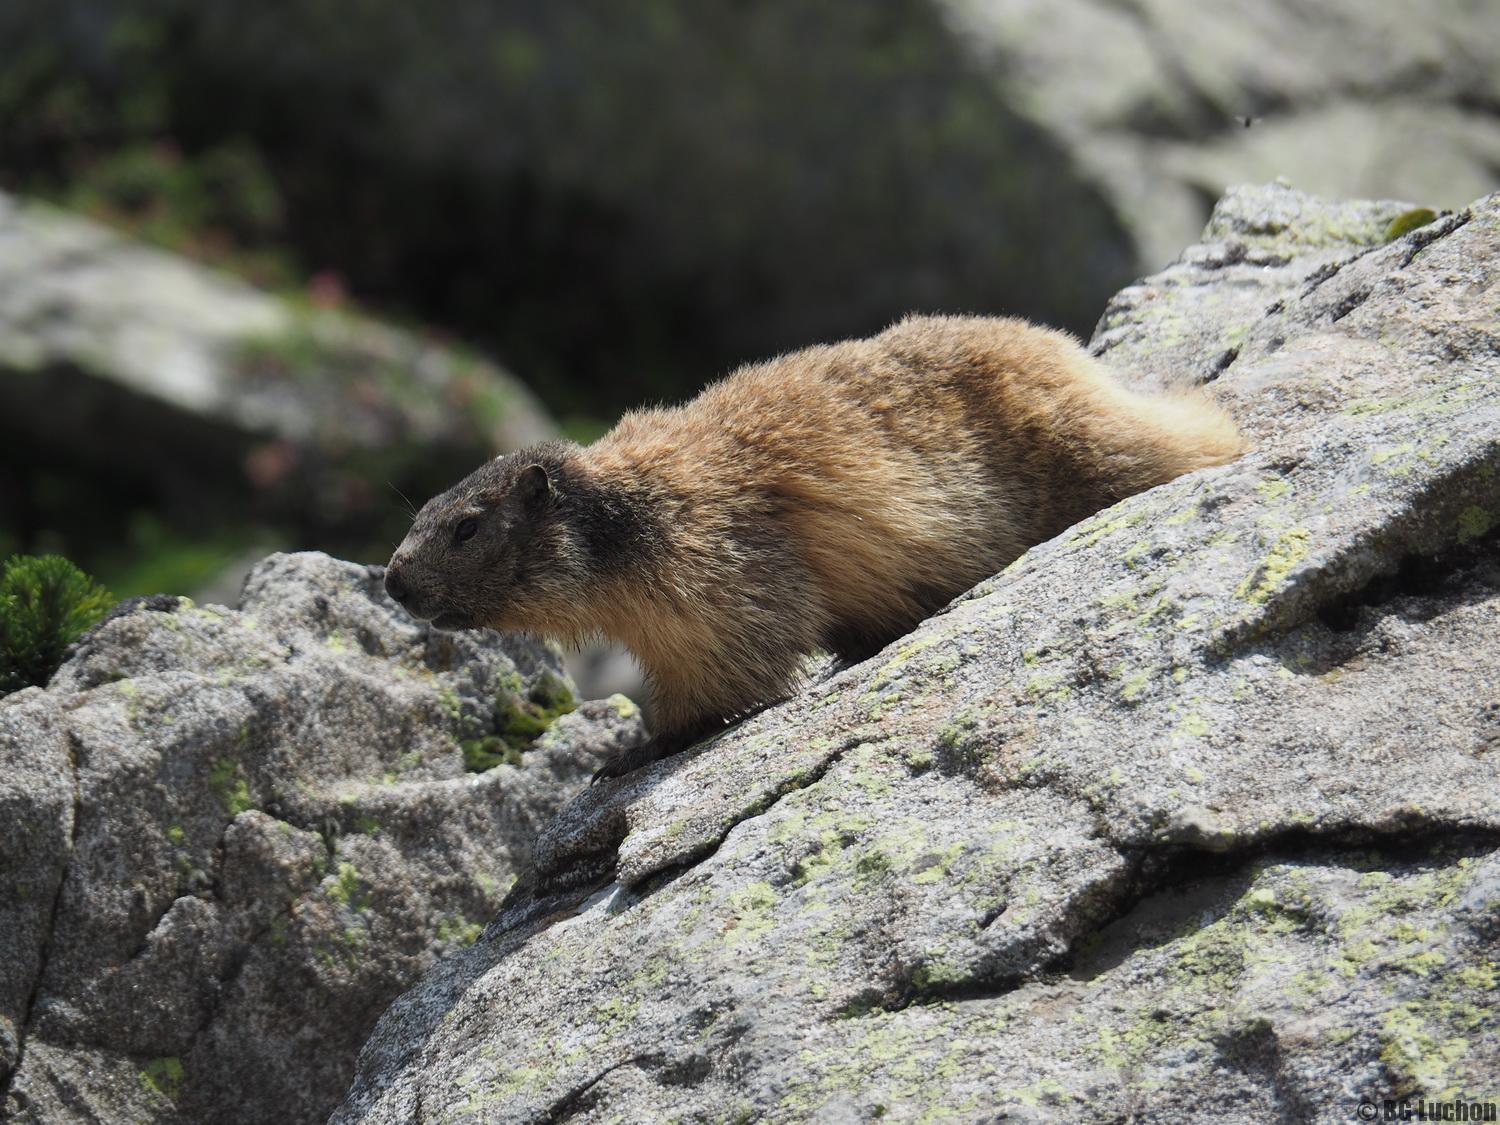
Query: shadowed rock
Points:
[140, 379]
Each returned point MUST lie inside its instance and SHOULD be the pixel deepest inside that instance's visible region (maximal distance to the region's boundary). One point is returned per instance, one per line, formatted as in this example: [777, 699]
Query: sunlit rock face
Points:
[1191, 811]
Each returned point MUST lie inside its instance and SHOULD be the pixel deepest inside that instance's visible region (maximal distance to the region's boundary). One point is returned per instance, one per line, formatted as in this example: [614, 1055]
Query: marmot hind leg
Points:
[853, 645]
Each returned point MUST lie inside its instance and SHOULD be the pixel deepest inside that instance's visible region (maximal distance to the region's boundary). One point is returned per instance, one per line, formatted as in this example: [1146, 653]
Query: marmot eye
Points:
[465, 529]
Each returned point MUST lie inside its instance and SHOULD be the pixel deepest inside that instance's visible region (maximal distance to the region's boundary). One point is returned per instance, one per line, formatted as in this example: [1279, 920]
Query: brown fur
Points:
[831, 498]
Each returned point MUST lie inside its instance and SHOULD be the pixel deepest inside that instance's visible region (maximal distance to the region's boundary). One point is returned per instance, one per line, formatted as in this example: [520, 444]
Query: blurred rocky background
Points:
[267, 269]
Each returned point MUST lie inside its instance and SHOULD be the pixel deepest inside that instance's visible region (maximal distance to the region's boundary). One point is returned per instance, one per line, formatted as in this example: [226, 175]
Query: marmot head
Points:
[497, 549]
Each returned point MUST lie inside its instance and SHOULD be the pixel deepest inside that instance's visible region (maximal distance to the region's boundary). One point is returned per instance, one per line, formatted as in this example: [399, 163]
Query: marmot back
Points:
[831, 498]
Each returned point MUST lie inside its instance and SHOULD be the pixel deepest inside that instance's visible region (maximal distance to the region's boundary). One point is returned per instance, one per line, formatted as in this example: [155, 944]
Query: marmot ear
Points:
[533, 485]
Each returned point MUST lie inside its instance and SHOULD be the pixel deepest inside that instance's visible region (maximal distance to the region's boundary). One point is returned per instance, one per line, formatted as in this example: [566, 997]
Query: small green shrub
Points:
[46, 603]
[1408, 221]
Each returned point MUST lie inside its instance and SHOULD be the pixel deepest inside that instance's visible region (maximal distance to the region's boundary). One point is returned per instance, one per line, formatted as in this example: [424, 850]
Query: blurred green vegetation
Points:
[620, 201]
[157, 559]
[221, 207]
[99, 139]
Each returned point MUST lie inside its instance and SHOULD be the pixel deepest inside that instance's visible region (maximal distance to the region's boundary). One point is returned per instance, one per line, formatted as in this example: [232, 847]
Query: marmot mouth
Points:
[451, 620]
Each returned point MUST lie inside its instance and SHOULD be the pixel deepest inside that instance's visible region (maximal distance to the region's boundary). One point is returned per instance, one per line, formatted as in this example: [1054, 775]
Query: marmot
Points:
[831, 498]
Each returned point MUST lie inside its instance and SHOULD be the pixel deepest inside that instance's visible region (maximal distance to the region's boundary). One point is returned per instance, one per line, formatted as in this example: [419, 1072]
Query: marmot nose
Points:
[395, 587]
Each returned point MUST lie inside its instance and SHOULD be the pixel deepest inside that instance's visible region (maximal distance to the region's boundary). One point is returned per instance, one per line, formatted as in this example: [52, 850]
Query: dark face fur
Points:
[491, 548]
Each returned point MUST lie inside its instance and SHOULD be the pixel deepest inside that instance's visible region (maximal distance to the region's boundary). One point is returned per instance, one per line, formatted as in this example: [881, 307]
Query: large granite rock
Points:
[229, 838]
[160, 383]
[1163, 102]
[1190, 812]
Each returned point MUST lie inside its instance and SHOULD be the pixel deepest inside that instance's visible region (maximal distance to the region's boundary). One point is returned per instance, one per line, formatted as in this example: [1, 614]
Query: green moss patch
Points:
[164, 1076]
[1474, 523]
[457, 928]
[347, 889]
[518, 721]
[229, 786]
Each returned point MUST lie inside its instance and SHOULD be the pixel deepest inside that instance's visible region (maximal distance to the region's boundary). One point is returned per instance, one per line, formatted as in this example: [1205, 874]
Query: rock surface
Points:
[229, 838]
[151, 373]
[1189, 813]
[1164, 102]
